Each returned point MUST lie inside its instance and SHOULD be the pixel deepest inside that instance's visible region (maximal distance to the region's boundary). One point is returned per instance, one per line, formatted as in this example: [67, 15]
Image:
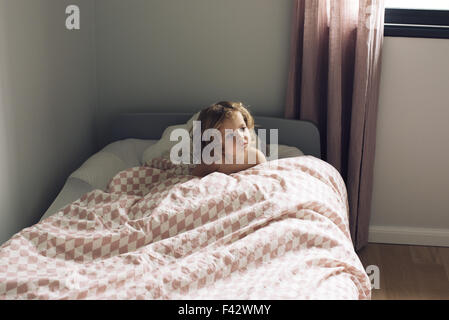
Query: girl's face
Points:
[237, 135]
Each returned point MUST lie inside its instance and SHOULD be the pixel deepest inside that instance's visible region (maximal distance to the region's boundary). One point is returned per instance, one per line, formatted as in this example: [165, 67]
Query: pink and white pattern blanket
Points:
[276, 231]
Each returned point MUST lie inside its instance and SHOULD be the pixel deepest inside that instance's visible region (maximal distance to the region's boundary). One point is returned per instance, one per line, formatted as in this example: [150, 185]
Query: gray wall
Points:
[47, 96]
[177, 55]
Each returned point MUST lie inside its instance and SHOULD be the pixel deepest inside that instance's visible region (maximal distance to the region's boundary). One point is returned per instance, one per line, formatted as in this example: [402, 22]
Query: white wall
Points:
[47, 95]
[172, 55]
[411, 171]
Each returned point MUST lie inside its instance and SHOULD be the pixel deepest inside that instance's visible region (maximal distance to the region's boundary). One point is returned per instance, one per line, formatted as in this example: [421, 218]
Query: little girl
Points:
[234, 116]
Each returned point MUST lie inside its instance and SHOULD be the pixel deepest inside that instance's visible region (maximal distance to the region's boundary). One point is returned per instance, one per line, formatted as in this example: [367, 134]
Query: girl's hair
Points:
[213, 116]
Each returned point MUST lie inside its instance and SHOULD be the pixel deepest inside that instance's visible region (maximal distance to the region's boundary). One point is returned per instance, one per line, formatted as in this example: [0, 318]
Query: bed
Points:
[122, 228]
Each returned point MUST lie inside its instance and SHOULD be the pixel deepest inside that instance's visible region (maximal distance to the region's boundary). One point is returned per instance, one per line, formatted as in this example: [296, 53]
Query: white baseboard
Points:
[407, 235]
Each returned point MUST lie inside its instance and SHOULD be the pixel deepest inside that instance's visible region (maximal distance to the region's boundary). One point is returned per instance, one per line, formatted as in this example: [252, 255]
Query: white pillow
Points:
[163, 146]
[284, 151]
[98, 170]
[288, 151]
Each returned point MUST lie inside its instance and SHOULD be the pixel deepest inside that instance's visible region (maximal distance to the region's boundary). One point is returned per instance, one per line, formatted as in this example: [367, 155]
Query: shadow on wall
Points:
[21, 197]
[9, 153]
[46, 122]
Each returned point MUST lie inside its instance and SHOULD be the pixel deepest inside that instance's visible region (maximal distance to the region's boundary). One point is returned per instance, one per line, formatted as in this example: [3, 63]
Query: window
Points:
[417, 18]
[418, 4]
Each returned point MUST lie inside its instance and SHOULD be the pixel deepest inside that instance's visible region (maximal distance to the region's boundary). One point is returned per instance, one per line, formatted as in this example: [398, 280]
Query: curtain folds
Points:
[333, 81]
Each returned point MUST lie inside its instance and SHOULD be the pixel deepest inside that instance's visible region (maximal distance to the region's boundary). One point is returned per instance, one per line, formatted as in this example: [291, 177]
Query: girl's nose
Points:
[240, 135]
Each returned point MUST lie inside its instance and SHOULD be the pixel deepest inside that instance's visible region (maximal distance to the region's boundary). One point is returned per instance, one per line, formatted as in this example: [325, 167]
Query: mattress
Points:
[98, 170]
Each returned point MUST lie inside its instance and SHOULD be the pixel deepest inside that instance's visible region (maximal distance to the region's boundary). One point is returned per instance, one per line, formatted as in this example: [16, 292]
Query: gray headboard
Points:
[301, 134]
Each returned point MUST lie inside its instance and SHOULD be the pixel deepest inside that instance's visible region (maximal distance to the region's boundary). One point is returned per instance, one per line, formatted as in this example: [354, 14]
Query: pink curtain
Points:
[334, 82]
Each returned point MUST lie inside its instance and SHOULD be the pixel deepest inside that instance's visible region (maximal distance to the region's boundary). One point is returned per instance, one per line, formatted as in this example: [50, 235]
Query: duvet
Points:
[276, 231]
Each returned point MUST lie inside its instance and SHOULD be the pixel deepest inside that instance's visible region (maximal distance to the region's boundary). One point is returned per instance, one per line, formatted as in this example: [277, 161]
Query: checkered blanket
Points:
[276, 231]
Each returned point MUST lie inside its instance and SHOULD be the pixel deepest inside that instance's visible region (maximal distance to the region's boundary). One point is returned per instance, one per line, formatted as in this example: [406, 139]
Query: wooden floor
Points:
[409, 272]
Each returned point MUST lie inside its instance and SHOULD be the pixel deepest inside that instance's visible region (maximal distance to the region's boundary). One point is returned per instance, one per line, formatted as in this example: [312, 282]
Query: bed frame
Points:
[301, 134]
